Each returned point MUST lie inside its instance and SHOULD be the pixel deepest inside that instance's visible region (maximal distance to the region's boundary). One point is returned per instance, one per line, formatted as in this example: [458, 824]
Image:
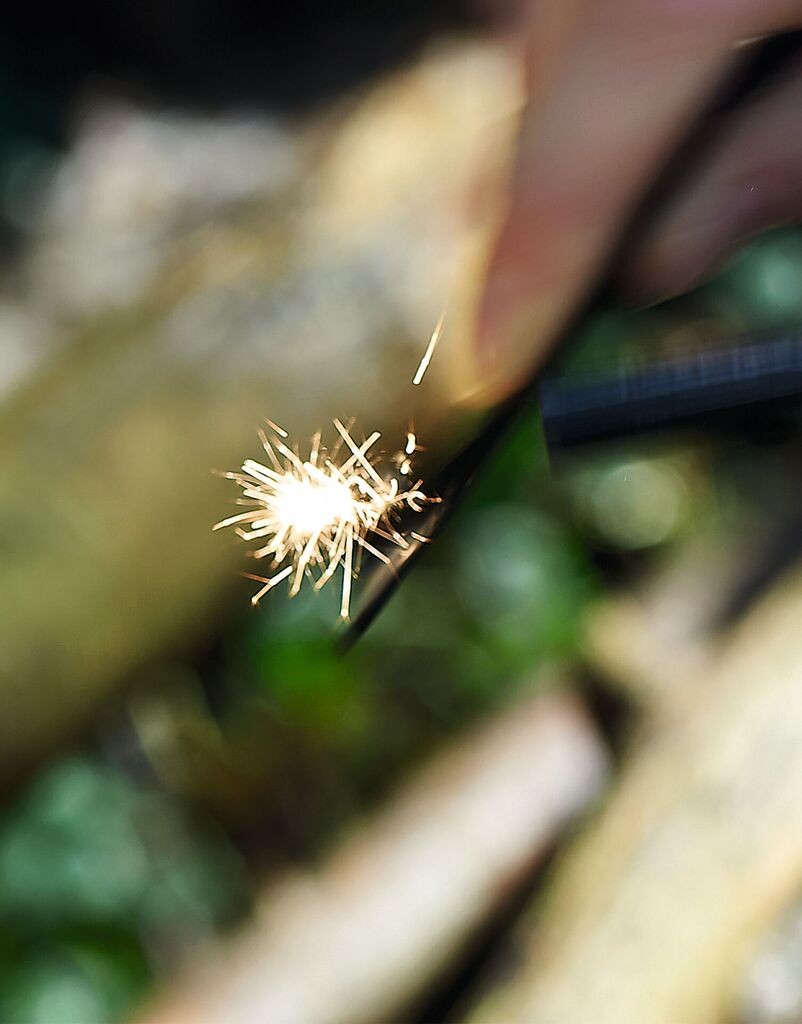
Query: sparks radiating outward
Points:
[318, 514]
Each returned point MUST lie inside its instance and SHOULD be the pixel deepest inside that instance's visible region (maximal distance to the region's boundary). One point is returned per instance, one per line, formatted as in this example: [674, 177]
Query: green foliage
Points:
[90, 864]
[760, 288]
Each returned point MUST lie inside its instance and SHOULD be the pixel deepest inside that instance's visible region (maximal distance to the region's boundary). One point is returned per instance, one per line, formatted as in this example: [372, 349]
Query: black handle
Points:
[741, 387]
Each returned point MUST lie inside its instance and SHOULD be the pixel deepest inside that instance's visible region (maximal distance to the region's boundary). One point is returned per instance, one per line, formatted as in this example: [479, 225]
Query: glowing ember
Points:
[317, 513]
[423, 365]
[404, 459]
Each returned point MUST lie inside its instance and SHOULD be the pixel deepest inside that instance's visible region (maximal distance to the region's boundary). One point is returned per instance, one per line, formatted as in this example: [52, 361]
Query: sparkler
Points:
[318, 514]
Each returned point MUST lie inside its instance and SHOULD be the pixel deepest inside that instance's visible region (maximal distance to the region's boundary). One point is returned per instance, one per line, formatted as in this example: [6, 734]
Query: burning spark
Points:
[316, 514]
[404, 459]
[423, 366]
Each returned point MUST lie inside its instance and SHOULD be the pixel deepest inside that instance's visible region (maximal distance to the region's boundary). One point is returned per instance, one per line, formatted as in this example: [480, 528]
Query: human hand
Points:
[611, 87]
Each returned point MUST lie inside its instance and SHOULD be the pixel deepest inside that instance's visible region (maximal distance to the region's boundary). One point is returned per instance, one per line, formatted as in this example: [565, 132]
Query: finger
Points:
[626, 80]
[736, 19]
[752, 182]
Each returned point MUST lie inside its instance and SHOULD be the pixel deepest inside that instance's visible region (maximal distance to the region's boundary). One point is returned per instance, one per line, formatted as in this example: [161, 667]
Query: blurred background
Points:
[559, 778]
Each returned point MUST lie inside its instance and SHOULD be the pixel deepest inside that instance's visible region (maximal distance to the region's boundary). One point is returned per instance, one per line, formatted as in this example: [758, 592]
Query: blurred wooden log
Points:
[357, 940]
[184, 279]
[770, 991]
[649, 641]
[649, 918]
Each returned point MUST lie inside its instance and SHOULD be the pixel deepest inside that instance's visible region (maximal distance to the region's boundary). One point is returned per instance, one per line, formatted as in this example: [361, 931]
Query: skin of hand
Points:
[611, 87]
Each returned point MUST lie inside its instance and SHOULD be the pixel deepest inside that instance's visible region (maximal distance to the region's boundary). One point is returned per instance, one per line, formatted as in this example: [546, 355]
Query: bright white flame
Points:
[313, 512]
[310, 505]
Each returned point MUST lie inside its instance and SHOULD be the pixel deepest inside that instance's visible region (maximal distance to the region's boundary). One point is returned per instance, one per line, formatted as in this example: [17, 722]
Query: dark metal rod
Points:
[739, 386]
